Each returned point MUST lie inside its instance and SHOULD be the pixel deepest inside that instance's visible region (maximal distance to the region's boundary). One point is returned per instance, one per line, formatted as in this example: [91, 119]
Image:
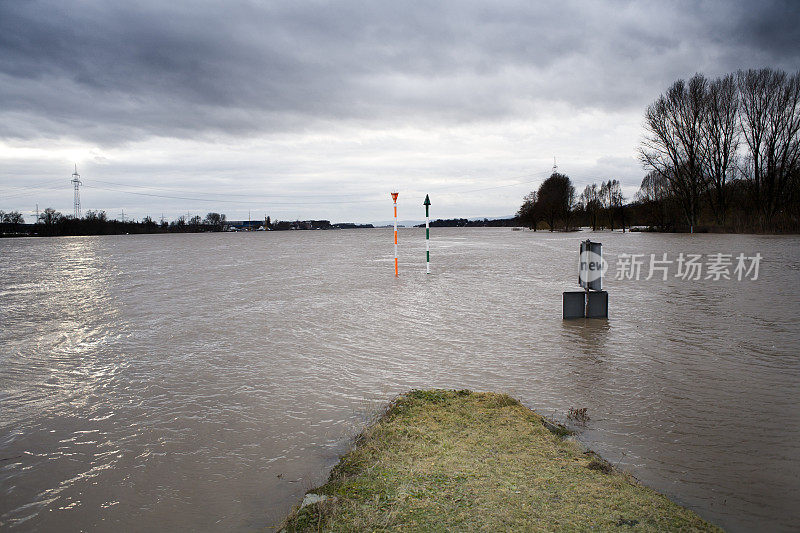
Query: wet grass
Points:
[460, 461]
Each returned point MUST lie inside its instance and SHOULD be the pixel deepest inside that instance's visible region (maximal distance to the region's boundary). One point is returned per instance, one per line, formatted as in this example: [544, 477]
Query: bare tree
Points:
[604, 197]
[770, 123]
[195, 222]
[673, 144]
[15, 218]
[12, 218]
[50, 216]
[655, 194]
[610, 200]
[720, 140]
[590, 199]
[215, 220]
[529, 211]
[94, 216]
[616, 203]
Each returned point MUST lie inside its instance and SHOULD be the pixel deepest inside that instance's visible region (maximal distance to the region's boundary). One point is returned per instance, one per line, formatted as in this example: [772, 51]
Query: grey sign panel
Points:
[598, 305]
[574, 304]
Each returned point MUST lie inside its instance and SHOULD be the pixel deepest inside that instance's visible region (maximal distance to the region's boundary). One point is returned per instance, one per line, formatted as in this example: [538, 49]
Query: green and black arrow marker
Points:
[427, 204]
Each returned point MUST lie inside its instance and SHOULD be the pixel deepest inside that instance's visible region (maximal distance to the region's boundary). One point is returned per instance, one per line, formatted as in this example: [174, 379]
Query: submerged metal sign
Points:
[592, 302]
[592, 267]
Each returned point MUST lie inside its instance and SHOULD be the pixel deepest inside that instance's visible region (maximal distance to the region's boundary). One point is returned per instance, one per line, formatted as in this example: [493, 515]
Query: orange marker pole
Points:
[394, 199]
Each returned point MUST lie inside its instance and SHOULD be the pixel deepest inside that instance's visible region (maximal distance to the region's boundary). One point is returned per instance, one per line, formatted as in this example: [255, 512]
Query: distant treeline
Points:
[350, 225]
[471, 223]
[53, 223]
[313, 224]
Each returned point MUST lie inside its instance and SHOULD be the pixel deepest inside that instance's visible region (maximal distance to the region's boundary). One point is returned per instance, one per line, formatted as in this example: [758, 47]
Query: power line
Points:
[150, 187]
[218, 200]
[544, 173]
[31, 190]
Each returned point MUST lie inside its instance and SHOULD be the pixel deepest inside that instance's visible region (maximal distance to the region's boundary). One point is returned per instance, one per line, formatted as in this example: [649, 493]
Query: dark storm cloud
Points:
[111, 73]
[775, 30]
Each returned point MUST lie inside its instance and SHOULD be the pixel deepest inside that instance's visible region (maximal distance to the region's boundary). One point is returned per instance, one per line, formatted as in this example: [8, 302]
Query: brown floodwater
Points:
[204, 382]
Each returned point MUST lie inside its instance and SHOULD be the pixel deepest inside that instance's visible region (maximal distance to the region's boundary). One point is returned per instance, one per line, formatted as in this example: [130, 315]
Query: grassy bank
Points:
[457, 460]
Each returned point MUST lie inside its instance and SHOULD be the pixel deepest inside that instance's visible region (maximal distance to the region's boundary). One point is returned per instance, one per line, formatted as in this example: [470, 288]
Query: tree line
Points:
[469, 223]
[556, 205]
[722, 154]
[53, 223]
[11, 222]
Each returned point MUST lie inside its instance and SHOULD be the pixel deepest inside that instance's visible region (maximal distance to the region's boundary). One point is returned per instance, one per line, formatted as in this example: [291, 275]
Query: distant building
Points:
[243, 225]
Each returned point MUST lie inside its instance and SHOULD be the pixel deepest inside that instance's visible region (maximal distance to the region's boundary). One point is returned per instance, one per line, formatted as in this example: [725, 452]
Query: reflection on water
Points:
[58, 314]
[206, 381]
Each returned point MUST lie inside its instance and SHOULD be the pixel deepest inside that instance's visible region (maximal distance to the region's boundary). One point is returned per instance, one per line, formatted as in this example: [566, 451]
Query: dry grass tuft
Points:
[578, 415]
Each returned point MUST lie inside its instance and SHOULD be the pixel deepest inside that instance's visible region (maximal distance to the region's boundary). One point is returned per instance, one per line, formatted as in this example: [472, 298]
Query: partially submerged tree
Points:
[528, 213]
[701, 137]
[616, 207]
[556, 196]
[590, 200]
[654, 194]
[720, 141]
[770, 124]
[673, 144]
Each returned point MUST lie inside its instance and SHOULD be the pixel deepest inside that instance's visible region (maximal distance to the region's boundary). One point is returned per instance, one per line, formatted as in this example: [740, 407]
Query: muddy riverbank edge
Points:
[462, 460]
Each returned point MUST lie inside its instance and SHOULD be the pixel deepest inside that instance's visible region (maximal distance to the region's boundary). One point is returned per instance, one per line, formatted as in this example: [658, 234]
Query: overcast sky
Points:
[320, 109]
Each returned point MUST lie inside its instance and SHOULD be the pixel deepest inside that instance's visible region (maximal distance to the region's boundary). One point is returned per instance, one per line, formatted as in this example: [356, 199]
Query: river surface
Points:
[205, 381]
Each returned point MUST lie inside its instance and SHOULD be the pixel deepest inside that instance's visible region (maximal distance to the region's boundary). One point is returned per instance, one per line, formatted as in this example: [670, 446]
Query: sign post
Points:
[427, 204]
[590, 272]
[592, 302]
[590, 275]
[394, 199]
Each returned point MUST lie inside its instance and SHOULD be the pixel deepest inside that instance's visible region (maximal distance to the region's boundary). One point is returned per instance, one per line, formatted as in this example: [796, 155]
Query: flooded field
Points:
[205, 381]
